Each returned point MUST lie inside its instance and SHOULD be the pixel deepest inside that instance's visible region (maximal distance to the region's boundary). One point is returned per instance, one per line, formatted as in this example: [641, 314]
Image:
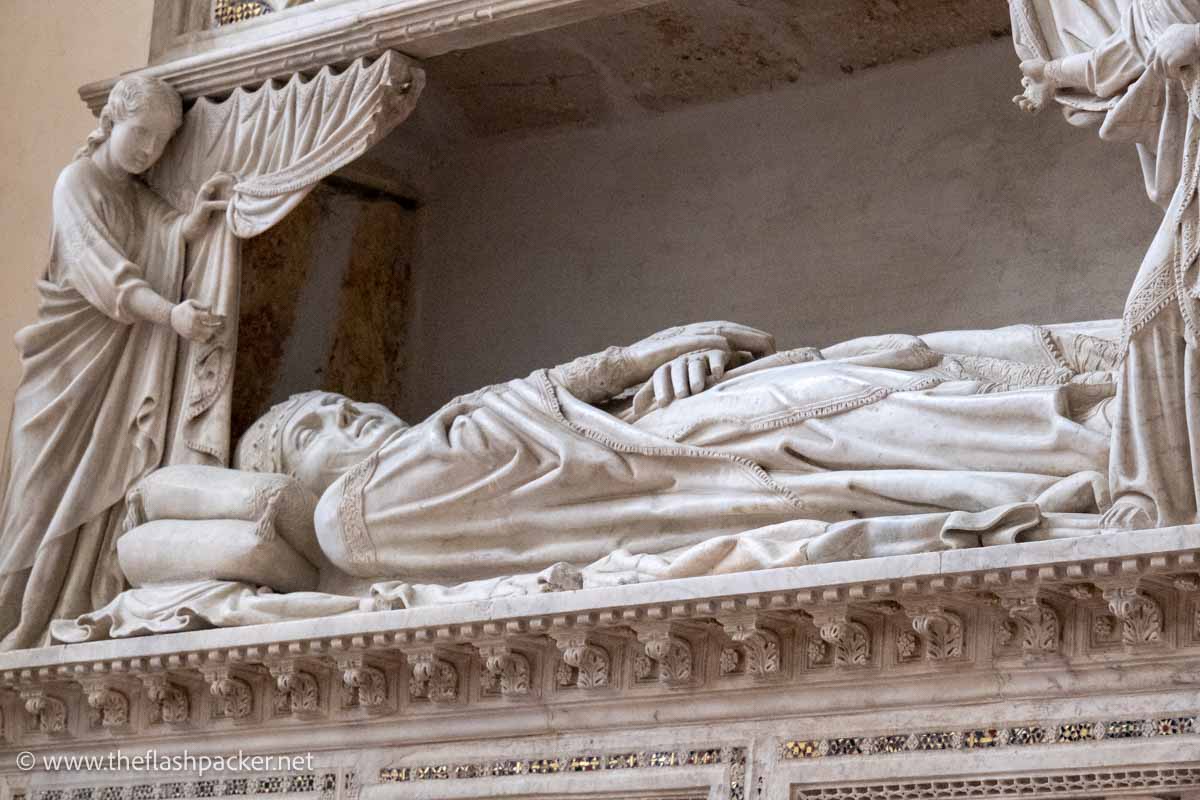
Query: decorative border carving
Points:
[994, 737]
[1092, 782]
[582, 762]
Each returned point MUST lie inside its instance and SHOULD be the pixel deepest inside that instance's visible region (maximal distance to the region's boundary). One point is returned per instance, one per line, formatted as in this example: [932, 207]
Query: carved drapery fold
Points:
[278, 142]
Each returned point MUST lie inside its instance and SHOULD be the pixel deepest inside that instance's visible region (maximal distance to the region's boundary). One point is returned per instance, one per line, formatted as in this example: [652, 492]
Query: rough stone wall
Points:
[324, 297]
[275, 266]
[367, 356]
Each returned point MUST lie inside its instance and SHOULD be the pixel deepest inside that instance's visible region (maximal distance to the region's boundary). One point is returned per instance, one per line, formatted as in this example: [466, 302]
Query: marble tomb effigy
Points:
[698, 565]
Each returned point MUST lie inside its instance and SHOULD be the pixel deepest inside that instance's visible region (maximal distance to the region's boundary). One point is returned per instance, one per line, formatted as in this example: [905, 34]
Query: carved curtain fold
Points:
[278, 142]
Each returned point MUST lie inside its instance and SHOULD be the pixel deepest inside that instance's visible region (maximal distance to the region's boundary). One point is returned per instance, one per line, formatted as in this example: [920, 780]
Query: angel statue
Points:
[90, 413]
[1131, 66]
[128, 366]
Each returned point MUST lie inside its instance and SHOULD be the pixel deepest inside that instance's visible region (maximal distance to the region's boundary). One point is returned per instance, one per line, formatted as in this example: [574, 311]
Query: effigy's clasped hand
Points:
[654, 351]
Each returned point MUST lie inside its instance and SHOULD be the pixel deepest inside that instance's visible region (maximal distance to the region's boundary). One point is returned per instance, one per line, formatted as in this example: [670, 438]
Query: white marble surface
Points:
[1060, 561]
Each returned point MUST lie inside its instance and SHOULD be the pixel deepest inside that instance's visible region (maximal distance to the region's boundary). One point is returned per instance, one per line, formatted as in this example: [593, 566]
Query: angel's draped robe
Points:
[90, 414]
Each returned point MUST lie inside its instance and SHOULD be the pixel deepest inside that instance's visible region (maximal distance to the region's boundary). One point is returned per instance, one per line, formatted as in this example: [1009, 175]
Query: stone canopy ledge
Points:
[1054, 618]
[1079, 567]
[212, 63]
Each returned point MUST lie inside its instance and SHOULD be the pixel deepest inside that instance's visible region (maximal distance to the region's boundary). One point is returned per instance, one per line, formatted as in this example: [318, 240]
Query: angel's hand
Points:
[209, 200]
[1177, 49]
[1039, 90]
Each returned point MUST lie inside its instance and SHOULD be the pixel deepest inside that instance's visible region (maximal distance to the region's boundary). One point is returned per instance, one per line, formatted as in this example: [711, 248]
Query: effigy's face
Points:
[138, 141]
[330, 433]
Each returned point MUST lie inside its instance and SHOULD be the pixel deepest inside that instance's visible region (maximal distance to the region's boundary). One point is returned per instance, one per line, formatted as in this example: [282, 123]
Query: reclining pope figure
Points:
[698, 450]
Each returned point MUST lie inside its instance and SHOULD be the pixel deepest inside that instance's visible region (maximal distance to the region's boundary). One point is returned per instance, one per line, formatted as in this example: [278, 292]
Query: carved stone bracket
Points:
[431, 676]
[505, 670]
[756, 649]
[847, 642]
[585, 660]
[366, 685]
[169, 701]
[297, 689]
[234, 695]
[941, 630]
[108, 706]
[47, 713]
[665, 654]
[1038, 627]
[1140, 615]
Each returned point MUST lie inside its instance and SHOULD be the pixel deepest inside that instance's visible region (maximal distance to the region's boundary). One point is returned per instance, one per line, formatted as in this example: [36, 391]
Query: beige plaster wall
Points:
[909, 198]
[48, 48]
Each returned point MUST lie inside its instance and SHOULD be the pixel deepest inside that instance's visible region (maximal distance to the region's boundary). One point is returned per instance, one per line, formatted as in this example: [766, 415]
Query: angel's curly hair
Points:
[131, 95]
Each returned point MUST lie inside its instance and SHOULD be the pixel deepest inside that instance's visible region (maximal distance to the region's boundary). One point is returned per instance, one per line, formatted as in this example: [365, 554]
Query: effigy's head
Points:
[315, 437]
[140, 117]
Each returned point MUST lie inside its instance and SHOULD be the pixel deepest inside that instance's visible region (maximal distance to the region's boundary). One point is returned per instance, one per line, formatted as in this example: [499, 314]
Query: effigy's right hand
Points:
[196, 322]
[654, 351]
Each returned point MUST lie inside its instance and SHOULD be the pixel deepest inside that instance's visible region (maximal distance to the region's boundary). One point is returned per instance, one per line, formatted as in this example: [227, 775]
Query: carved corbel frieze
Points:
[44, 712]
[844, 642]
[756, 647]
[233, 694]
[1140, 615]
[108, 706]
[432, 676]
[666, 654]
[169, 701]
[297, 688]
[585, 660]
[365, 684]
[504, 671]
[1033, 624]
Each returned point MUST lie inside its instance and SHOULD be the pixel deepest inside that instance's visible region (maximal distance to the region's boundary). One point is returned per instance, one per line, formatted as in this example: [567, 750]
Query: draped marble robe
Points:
[1155, 457]
[878, 446]
[105, 399]
[514, 478]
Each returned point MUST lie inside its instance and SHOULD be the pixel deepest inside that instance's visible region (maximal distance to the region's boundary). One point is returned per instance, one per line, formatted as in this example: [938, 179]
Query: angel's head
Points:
[315, 437]
[140, 117]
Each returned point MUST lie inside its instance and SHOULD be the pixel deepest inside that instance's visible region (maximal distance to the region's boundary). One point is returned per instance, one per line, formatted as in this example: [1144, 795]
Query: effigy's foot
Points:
[1126, 515]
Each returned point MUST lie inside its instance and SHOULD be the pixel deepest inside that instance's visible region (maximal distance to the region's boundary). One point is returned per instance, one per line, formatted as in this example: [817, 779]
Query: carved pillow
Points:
[277, 504]
[182, 551]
